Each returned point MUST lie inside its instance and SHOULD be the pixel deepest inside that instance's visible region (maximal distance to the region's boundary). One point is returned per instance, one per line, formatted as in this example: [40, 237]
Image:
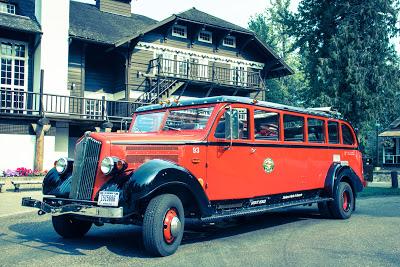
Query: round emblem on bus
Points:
[268, 165]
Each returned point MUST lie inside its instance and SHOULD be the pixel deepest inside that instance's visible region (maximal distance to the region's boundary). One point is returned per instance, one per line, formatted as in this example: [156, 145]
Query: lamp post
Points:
[377, 126]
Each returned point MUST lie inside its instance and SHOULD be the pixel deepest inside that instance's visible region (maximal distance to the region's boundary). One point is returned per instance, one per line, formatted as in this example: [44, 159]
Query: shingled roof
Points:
[198, 16]
[87, 22]
[24, 20]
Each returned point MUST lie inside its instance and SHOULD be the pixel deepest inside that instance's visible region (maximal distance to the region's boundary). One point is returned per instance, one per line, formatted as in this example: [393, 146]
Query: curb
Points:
[16, 213]
[9, 185]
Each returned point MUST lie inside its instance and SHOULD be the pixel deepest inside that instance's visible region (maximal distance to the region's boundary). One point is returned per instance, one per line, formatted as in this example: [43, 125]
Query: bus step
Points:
[260, 209]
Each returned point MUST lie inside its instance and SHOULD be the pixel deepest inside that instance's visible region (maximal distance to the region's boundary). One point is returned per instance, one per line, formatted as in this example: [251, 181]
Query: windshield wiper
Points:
[171, 128]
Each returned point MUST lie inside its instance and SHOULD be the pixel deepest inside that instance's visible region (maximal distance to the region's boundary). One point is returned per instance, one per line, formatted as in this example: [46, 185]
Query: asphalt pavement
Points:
[293, 237]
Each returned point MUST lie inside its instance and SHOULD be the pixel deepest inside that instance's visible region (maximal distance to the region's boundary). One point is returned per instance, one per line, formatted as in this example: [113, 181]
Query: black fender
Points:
[57, 184]
[336, 173]
[158, 174]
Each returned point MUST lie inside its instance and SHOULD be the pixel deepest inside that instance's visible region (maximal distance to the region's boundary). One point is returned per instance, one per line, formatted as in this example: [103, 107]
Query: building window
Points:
[179, 31]
[229, 41]
[205, 36]
[7, 8]
[13, 77]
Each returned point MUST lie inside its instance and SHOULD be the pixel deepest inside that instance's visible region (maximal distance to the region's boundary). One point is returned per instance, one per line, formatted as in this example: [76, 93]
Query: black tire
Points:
[153, 225]
[69, 227]
[338, 207]
[324, 210]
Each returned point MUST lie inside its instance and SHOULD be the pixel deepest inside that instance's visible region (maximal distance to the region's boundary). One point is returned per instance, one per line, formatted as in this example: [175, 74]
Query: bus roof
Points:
[237, 99]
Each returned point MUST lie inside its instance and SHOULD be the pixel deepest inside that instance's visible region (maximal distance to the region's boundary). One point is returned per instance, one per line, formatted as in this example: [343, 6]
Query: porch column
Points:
[40, 128]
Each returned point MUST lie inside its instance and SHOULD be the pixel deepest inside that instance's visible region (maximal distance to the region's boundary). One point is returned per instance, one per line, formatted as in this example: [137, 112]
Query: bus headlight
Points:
[61, 165]
[112, 164]
[107, 165]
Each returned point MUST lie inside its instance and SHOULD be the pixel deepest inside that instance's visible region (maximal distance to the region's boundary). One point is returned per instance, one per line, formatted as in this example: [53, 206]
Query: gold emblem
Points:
[268, 165]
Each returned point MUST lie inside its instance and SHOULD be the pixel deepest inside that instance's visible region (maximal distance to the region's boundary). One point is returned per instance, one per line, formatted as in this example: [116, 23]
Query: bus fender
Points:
[336, 173]
[57, 184]
[157, 174]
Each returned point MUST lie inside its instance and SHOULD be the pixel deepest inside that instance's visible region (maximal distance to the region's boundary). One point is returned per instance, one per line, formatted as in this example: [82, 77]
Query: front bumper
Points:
[83, 209]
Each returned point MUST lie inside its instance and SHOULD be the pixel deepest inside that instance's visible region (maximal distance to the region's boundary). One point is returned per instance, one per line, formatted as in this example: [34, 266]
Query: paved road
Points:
[294, 237]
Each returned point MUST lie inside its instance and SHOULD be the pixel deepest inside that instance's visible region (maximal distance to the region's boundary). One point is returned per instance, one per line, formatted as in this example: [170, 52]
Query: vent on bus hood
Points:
[138, 154]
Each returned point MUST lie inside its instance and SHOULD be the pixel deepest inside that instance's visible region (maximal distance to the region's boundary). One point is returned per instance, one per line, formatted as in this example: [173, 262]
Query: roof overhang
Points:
[390, 133]
[278, 68]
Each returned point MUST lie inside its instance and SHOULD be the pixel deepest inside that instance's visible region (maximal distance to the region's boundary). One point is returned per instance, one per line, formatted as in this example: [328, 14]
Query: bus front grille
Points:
[87, 153]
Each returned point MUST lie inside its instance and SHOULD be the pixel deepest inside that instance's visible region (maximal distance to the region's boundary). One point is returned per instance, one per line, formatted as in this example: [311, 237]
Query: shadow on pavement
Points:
[126, 240]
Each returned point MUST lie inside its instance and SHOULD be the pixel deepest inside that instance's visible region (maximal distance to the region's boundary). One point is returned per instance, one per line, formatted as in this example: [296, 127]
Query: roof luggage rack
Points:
[328, 110]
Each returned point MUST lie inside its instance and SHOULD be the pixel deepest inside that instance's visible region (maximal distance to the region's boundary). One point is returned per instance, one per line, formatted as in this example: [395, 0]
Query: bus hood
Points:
[149, 138]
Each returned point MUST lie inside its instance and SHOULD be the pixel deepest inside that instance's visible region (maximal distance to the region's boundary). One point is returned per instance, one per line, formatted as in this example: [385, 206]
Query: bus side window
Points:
[333, 132]
[293, 128]
[316, 131]
[266, 125]
[243, 125]
[347, 136]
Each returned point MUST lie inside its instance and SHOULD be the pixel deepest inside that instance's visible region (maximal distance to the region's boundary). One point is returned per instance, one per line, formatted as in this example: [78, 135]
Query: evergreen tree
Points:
[270, 28]
[348, 58]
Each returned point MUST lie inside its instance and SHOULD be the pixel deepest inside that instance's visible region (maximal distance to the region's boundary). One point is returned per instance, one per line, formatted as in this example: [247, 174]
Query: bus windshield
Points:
[177, 120]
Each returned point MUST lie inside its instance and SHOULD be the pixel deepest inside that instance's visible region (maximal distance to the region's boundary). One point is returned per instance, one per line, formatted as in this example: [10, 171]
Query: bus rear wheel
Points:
[342, 205]
[163, 225]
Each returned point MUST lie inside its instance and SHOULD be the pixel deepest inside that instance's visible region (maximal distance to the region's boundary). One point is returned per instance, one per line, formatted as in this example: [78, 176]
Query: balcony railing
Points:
[191, 70]
[35, 104]
[391, 159]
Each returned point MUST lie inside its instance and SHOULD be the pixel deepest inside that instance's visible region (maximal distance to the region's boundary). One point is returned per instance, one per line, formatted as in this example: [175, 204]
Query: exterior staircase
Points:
[167, 87]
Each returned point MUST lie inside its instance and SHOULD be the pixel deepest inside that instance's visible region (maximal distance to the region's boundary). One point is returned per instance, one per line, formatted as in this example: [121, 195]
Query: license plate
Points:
[108, 198]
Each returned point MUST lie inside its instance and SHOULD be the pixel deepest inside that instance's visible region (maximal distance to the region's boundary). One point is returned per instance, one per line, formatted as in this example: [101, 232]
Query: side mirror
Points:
[231, 124]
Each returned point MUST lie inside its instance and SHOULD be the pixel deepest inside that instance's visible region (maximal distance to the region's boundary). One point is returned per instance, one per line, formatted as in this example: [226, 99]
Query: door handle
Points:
[253, 150]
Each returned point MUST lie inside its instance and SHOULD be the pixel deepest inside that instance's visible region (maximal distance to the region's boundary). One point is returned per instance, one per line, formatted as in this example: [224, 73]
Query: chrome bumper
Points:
[78, 209]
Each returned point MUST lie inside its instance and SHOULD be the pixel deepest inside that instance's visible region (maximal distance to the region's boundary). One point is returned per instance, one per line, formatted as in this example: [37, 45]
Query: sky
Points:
[237, 12]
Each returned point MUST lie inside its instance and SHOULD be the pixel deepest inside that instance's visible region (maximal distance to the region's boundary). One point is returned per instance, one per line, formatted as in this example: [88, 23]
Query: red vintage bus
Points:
[212, 159]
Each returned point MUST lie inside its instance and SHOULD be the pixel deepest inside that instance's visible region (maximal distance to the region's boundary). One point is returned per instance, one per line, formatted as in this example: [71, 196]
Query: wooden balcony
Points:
[189, 70]
[21, 103]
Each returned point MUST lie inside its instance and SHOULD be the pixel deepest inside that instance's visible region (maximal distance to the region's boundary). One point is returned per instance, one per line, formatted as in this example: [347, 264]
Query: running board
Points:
[260, 209]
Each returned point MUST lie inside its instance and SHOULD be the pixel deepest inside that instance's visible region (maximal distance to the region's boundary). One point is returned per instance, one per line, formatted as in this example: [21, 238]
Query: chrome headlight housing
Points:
[61, 165]
[107, 165]
[112, 164]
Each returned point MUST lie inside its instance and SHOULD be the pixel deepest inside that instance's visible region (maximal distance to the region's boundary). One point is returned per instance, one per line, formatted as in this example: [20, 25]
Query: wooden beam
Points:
[195, 34]
[169, 28]
[209, 91]
[183, 90]
[40, 128]
[219, 41]
[249, 40]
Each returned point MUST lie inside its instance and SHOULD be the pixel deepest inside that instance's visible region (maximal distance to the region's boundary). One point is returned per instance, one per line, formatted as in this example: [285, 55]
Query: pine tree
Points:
[349, 59]
[271, 29]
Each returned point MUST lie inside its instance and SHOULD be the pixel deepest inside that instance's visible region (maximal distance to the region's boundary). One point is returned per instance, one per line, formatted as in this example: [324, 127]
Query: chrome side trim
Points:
[148, 142]
[78, 209]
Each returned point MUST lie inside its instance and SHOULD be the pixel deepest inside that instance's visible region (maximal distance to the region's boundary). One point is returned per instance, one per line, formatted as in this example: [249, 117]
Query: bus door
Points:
[228, 160]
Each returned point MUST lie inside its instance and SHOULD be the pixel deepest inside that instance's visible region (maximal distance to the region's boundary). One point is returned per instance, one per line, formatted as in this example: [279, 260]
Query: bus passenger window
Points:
[243, 125]
[266, 125]
[316, 131]
[333, 132]
[348, 138]
[294, 128]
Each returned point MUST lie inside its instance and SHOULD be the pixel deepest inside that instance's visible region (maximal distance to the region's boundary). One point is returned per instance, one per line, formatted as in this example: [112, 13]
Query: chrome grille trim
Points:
[87, 153]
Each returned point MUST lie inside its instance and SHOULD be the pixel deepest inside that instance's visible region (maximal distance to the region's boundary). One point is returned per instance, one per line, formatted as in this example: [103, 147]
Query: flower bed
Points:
[22, 172]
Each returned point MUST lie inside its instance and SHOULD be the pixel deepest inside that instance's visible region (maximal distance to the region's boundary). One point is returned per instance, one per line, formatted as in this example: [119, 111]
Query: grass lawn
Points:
[379, 191]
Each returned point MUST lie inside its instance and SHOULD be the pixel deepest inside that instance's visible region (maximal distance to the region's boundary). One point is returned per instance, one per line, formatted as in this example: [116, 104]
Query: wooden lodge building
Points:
[78, 65]
[389, 141]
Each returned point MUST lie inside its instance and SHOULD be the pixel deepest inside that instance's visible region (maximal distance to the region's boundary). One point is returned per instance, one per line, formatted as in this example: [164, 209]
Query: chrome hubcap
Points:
[175, 226]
